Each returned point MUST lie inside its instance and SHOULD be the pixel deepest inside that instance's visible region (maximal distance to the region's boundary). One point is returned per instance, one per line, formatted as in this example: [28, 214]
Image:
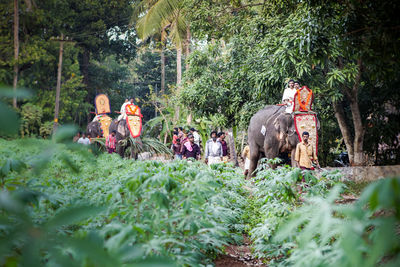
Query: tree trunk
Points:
[162, 91]
[189, 118]
[85, 66]
[232, 150]
[85, 73]
[58, 89]
[359, 131]
[344, 128]
[359, 159]
[16, 51]
[187, 52]
[178, 66]
[178, 78]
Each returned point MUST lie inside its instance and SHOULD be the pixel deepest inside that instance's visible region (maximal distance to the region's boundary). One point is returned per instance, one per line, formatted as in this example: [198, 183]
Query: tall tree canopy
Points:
[97, 29]
[346, 52]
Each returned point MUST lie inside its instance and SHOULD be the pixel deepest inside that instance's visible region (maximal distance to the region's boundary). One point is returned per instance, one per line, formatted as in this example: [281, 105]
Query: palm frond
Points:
[158, 16]
[151, 145]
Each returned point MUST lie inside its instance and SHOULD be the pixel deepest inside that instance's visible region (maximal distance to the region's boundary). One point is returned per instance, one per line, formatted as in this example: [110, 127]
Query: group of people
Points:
[288, 95]
[111, 141]
[189, 146]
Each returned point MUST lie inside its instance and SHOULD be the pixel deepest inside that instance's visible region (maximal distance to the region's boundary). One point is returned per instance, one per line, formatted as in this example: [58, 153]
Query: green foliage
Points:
[267, 42]
[46, 129]
[180, 210]
[31, 117]
[363, 234]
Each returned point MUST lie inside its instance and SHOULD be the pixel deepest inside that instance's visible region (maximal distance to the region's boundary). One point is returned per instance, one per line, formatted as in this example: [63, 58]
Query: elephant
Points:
[93, 129]
[122, 132]
[271, 131]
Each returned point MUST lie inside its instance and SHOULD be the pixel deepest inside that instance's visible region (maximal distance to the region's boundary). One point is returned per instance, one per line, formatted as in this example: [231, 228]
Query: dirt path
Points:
[238, 256]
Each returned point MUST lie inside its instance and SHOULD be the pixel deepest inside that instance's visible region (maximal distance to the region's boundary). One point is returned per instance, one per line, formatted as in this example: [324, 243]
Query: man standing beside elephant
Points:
[305, 154]
[288, 96]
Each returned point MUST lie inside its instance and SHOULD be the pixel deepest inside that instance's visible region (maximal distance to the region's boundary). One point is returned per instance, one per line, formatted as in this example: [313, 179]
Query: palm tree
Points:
[160, 16]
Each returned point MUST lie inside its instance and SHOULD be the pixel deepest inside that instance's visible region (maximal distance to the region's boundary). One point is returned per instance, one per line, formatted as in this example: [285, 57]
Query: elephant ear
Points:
[276, 124]
[279, 131]
[121, 128]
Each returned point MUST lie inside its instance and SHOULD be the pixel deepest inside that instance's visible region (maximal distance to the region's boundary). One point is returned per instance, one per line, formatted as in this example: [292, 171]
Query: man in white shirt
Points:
[84, 140]
[123, 109]
[288, 97]
[213, 153]
[196, 136]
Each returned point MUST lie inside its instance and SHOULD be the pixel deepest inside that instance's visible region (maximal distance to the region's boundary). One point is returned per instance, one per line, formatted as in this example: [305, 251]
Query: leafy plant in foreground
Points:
[363, 234]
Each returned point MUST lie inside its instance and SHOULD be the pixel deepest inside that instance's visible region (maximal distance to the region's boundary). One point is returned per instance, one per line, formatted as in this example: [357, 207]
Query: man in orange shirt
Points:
[305, 154]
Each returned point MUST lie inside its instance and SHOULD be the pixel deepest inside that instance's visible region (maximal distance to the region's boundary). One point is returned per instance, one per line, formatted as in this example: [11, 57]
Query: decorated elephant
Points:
[271, 132]
[93, 129]
[122, 133]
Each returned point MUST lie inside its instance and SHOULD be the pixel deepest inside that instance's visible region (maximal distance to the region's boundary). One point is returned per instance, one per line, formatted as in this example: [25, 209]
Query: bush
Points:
[46, 129]
[31, 116]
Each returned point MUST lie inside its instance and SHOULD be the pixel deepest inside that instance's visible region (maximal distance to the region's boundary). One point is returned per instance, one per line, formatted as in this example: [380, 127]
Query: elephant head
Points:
[93, 129]
[285, 132]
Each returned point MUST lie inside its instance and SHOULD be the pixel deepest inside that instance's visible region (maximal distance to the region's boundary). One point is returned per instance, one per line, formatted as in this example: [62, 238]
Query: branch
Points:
[358, 77]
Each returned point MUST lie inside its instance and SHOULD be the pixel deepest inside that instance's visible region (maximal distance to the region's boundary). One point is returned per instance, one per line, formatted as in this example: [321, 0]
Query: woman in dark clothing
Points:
[190, 150]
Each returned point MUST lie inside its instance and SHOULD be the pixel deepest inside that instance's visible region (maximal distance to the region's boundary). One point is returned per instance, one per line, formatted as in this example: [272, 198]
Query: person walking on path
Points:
[190, 150]
[84, 140]
[305, 154]
[225, 148]
[246, 157]
[111, 142]
[213, 151]
[76, 137]
[176, 148]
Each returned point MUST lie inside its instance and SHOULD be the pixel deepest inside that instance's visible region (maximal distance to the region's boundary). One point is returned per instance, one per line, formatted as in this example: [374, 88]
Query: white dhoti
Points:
[246, 164]
[289, 107]
[214, 160]
[96, 118]
[122, 117]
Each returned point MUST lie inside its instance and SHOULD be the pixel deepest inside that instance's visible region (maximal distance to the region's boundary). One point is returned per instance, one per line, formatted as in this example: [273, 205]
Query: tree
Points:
[16, 50]
[340, 50]
[163, 15]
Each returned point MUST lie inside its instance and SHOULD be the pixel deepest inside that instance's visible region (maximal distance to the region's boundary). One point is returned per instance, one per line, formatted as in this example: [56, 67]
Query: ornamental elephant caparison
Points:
[271, 131]
[122, 132]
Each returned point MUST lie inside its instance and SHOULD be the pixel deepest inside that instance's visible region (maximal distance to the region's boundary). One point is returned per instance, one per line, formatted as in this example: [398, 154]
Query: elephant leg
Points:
[120, 150]
[271, 151]
[254, 156]
[135, 154]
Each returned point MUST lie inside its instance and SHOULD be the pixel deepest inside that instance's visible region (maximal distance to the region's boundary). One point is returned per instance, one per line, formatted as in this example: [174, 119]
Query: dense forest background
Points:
[211, 64]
